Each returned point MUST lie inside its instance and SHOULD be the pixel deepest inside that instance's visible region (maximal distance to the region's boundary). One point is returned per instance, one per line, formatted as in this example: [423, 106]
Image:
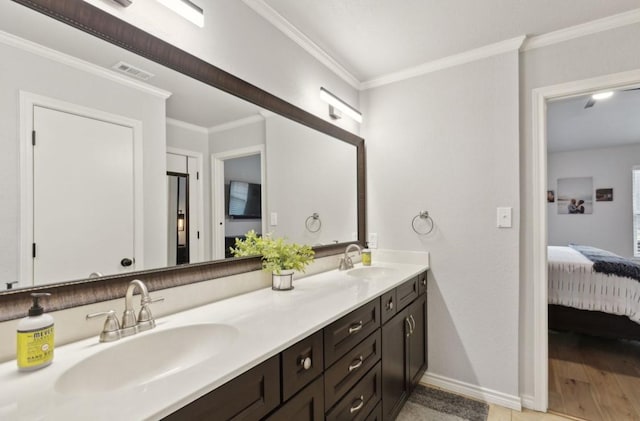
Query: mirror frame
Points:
[103, 25]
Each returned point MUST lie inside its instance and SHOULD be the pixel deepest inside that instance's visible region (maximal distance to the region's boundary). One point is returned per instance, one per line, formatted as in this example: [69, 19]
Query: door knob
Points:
[126, 262]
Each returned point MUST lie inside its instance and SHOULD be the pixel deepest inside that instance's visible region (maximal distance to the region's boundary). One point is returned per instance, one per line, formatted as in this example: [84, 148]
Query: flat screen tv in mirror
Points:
[244, 200]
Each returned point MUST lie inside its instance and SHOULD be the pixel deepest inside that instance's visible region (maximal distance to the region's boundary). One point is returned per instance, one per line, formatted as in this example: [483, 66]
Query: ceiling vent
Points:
[125, 3]
[133, 71]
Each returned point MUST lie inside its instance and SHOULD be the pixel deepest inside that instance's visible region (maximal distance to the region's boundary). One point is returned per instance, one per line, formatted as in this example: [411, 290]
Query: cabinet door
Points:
[301, 363]
[417, 340]
[307, 405]
[250, 396]
[395, 378]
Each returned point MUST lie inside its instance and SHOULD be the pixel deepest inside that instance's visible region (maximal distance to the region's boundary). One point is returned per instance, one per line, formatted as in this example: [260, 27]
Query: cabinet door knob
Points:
[390, 304]
[356, 364]
[424, 282]
[305, 363]
[355, 327]
[358, 406]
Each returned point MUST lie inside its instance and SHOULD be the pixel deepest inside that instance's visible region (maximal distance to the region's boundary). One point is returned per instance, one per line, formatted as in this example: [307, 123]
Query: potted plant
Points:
[279, 257]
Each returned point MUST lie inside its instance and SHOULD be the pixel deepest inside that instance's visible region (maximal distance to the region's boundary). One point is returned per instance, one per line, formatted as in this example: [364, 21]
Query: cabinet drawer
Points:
[249, 396]
[352, 367]
[301, 363]
[388, 305]
[376, 414]
[358, 403]
[422, 283]
[307, 405]
[347, 332]
[407, 292]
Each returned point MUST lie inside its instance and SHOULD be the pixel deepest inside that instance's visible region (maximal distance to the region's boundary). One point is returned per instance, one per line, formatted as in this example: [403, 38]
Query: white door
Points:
[83, 204]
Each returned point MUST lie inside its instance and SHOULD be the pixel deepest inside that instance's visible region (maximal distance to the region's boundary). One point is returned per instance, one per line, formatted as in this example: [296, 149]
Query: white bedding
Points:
[573, 283]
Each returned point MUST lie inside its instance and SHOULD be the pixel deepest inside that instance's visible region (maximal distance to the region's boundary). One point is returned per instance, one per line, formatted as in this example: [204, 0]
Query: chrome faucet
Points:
[131, 324]
[345, 261]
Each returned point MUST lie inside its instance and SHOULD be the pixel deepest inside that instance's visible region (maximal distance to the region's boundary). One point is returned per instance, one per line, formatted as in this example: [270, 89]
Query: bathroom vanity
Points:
[341, 345]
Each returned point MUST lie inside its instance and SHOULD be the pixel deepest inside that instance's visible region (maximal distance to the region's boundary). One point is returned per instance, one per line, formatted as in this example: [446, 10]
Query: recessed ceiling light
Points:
[602, 95]
[186, 9]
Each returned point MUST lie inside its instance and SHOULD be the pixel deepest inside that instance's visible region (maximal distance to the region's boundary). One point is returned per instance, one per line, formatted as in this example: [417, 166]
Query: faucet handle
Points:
[111, 330]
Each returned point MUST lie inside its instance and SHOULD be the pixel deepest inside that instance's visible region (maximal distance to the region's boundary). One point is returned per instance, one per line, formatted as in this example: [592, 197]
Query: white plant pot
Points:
[282, 282]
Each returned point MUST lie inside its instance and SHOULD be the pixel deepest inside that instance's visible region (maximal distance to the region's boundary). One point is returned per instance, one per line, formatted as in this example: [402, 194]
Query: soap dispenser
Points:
[35, 337]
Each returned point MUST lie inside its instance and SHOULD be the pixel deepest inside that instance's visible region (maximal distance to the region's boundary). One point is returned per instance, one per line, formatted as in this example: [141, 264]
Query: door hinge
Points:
[33, 137]
[198, 234]
[197, 175]
[33, 250]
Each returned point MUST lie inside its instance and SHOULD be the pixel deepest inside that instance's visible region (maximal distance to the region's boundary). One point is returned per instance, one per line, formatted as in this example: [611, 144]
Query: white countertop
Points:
[267, 321]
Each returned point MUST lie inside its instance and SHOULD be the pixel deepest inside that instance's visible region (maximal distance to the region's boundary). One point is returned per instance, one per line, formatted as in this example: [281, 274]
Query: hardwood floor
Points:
[594, 379]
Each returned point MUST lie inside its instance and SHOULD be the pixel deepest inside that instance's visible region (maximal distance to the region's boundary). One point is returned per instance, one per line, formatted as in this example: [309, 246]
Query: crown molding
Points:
[236, 123]
[490, 50]
[287, 28]
[85, 66]
[584, 29]
[187, 126]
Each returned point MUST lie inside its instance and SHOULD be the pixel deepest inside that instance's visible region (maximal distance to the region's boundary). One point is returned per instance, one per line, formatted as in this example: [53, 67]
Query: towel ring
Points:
[422, 216]
[313, 220]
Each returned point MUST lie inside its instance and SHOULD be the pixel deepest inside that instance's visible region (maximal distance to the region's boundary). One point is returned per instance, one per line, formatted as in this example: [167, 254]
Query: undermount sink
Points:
[371, 272]
[146, 358]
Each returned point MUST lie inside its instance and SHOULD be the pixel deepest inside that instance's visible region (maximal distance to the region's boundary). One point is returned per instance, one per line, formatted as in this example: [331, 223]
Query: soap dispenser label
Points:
[35, 347]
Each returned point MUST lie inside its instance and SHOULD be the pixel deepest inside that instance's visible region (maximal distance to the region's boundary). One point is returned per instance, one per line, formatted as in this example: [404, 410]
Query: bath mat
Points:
[426, 403]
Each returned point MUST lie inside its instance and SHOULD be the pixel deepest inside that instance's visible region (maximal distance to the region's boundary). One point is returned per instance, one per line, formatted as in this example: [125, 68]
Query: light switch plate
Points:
[504, 218]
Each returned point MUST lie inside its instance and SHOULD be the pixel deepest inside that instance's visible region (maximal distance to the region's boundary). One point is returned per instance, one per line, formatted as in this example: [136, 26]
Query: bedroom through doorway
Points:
[593, 250]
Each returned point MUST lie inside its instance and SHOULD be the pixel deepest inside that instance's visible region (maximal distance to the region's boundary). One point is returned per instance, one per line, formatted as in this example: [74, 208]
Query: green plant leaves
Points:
[277, 254]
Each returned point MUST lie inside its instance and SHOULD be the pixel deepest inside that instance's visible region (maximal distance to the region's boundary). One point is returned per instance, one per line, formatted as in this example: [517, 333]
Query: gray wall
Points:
[25, 71]
[599, 54]
[611, 225]
[447, 142]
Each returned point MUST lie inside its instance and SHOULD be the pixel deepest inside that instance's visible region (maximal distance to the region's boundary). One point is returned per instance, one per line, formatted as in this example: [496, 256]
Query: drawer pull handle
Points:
[305, 363]
[424, 282]
[355, 327]
[359, 406]
[356, 364]
[390, 304]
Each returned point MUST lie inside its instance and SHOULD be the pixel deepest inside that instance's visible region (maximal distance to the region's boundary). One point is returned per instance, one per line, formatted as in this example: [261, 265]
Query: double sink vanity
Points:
[341, 345]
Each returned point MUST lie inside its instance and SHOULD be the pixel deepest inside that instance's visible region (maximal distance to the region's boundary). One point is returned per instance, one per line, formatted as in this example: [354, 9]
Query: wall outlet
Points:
[373, 240]
[274, 219]
[504, 218]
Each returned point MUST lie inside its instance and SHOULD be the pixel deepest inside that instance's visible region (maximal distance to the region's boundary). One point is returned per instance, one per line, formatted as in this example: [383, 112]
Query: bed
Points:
[597, 295]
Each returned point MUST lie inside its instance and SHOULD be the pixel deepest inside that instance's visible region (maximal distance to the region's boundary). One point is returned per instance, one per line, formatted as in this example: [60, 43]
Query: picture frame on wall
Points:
[575, 196]
[604, 195]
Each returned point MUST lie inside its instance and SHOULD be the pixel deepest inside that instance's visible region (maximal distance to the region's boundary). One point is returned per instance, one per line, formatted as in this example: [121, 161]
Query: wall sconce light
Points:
[180, 221]
[186, 9]
[338, 106]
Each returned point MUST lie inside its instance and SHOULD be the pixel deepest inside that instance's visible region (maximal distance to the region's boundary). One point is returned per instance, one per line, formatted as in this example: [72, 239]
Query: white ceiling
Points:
[373, 38]
[611, 122]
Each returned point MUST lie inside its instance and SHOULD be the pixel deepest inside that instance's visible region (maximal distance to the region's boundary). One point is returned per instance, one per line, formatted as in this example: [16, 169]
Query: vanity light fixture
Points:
[180, 221]
[602, 95]
[336, 104]
[186, 9]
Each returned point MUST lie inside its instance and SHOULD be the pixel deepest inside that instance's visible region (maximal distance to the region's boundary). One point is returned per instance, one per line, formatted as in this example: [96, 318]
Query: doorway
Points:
[540, 97]
[78, 166]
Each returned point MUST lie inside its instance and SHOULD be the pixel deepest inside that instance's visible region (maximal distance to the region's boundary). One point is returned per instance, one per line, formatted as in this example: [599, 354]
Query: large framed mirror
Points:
[200, 157]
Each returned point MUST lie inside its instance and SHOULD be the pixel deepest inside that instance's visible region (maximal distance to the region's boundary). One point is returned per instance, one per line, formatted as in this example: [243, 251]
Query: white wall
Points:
[237, 138]
[242, 169]
[447, 142]
[196, 141]
[603, 53]
[308, 172]
[610, 227]
[25, 71]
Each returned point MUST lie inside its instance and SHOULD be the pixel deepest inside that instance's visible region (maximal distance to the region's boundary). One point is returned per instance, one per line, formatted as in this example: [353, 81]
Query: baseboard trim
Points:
[473, 391]
[527, 401]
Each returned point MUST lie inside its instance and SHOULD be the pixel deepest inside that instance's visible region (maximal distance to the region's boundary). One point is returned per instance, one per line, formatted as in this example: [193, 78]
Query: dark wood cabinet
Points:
[358, 403]
[388, 305]
[404, 351]
[250, 396]
[346, 332]
[407, 292]
[301, 363]
[308, 405]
